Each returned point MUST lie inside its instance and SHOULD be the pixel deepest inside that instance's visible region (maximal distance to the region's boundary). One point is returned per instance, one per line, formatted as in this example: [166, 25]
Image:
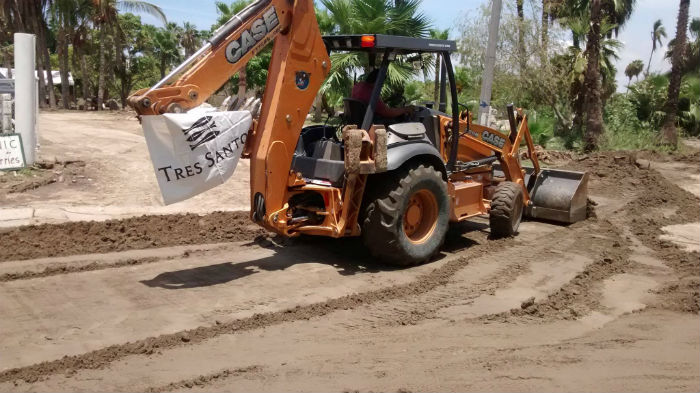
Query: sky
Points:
[635, 35]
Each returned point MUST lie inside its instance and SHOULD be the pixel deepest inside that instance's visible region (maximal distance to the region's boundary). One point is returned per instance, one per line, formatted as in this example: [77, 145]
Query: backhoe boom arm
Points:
[228, 50]
[298, 66]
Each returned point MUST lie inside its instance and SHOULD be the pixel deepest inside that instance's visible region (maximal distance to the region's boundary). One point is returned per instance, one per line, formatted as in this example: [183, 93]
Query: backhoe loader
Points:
[397, 183]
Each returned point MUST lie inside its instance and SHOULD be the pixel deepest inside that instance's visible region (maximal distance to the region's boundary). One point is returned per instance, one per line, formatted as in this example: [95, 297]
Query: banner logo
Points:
[202, 131]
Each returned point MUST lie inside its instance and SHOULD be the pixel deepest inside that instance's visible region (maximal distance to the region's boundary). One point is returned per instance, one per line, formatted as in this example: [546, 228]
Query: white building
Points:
[55, 76]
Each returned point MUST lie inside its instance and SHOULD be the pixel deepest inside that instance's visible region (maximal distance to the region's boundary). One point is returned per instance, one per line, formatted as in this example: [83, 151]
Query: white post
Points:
[25, 93]
[489, 64]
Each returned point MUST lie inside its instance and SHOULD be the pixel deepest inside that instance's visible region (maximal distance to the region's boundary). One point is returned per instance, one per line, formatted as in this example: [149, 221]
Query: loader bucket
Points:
[559, 195]
[556, 195]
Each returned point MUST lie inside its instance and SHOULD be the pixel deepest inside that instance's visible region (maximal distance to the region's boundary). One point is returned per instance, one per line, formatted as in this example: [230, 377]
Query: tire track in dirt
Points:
[204, 380]
[103, 357]
[80, 266]
[68, 269]
[88, 237]
[646, 223]
[578, 297]
[642, 214]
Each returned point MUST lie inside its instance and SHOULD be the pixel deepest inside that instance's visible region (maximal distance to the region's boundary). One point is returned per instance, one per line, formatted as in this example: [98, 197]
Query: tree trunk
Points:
[545, 26]
[42, 50]
[63, 66]
[318, 107]
[650, 56]
[521, 37]
[86, 82]
[103, 67]
[162, 66]
[124, 79]
[436, 92]
[669, 132]
[242, 83]
[49, 74]
[327, 107]
[42, 38]
[594, 110]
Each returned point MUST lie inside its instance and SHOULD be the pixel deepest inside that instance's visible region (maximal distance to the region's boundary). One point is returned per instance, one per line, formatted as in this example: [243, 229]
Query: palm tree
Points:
[81, 48]
[657, 32]
[616, 12]
[521, 35]
[226, 12]
[575, 62]
[633, 69]
[691, 55]
[190, 38]
[438, 35]
[166, 47]
[106, 19]
[371, 16]
[593, 102]
[68, 16]
[669, 132]
[29, 17]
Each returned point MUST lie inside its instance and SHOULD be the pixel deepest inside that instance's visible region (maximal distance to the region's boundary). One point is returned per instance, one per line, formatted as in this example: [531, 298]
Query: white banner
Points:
[194, 152]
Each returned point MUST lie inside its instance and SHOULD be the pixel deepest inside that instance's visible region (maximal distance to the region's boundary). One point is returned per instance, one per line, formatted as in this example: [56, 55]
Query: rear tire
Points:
[506, 210]
[406, 215]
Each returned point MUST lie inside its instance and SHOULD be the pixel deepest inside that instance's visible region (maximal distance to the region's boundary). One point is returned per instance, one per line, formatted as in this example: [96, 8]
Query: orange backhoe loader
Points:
[398, 183]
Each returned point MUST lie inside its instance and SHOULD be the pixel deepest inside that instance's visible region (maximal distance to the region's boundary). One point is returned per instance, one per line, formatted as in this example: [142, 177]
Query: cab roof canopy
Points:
[381, 42]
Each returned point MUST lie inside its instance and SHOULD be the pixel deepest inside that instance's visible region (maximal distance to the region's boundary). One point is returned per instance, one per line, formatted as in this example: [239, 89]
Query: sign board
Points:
[11, 152]
[194, 152]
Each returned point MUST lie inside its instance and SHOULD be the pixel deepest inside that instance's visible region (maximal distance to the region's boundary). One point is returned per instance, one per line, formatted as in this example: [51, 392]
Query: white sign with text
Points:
[11, 152]
[194, 152]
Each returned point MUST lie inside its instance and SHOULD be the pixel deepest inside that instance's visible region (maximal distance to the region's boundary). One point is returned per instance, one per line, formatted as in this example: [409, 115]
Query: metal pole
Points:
[25, 93]
[489, 64]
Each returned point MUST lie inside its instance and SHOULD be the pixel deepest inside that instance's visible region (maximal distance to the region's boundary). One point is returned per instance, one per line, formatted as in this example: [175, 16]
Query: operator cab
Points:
[319, 154]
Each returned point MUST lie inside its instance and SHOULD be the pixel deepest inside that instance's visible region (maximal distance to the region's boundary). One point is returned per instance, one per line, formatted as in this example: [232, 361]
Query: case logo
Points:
[493, 139]
[259, 29]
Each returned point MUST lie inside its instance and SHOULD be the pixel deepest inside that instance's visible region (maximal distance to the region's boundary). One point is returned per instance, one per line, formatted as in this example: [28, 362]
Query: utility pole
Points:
[489, 64]
[26, 93]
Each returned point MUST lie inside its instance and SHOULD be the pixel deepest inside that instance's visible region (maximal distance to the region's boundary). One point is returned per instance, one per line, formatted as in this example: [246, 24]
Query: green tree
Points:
[166, 47]
[226, 12]
[691, 54]
[615, 12]
[632, 70]
[67, 17]
[140, 67]
[371, 16]
[190, 38]
[657, 32]
[670, 134]
[438, 35]
[105, 17]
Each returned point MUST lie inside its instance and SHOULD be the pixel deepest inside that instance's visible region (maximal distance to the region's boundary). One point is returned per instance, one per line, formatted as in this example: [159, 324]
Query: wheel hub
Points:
[420, 216]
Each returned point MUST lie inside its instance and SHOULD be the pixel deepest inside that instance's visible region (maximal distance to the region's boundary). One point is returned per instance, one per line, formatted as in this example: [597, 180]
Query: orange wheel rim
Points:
[420, 216]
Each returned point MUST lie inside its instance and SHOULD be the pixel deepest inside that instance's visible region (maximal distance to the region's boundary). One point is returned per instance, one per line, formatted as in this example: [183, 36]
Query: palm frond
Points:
[142, 7]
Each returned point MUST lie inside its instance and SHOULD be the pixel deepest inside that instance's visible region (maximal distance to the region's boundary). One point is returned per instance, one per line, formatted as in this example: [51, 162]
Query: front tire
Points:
[406, 215]
[506, 210]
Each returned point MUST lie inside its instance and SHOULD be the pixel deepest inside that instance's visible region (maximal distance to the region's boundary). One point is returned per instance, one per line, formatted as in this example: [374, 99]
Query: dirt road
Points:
[100, 169]
[210, 303]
